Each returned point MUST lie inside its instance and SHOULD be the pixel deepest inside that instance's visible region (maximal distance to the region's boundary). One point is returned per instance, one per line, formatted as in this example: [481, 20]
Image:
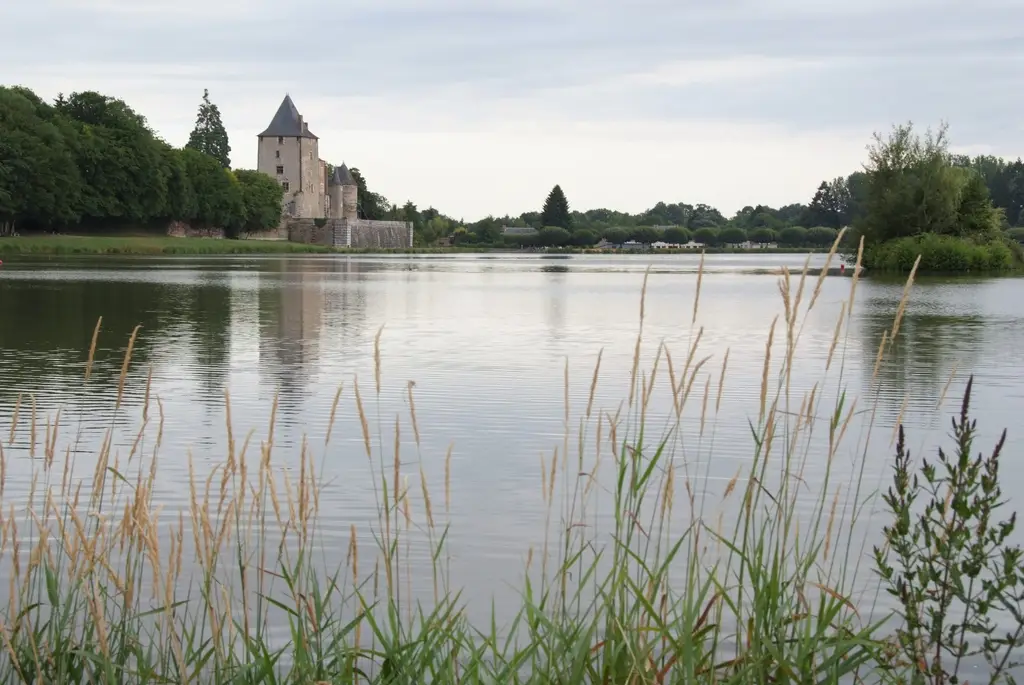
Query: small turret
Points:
[342, 176]
[344, 193]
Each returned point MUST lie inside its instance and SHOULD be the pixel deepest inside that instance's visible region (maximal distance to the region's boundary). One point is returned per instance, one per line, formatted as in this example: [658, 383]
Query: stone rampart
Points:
[279, 233]
[180, 229]
[387, 235]
[356, 234]
[306, 231]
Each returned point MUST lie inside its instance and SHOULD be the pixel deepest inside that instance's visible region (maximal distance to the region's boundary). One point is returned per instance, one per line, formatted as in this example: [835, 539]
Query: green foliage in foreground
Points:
[950, 566]
[673, 592]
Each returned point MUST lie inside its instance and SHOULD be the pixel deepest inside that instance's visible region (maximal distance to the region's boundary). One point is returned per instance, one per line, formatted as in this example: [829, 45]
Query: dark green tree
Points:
[219, 201]
[645, 235]
[584, 237]
[762, 236]
[553, 236]
[556, 210]
[209, 135]
[830, 205]
[616, 236]
[411, 214]
[370, 205]
[487, 230]
[732, 235]
[676, 234]
[821, 236]
[122, 164]
[261, 198]
[39, 180]
[793, 236]
[706, 235]
[915, 188]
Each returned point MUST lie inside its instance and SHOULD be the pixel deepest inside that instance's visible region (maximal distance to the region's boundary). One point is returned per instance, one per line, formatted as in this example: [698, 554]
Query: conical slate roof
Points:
[288, 122]
[342, 176]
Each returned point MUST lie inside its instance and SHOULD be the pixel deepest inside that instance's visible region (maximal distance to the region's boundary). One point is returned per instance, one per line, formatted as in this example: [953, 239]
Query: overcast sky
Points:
[479, 106]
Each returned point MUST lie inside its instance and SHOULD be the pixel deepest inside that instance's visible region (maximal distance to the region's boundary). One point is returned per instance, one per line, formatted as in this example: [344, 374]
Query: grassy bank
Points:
[154, 245]
[694, 581]
[144, 245]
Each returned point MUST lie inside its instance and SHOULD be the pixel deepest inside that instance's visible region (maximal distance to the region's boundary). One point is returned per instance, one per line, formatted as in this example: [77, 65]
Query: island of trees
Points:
[88, 163]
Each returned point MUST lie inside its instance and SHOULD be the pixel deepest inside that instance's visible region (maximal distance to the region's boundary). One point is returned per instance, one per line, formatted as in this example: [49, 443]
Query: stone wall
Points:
[379, 234]
[358, 234]
[180, 229]
[279, 233]
[306, 231]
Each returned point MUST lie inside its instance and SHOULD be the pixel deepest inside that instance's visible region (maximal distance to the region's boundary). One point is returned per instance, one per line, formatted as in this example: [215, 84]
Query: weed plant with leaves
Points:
[949, 564]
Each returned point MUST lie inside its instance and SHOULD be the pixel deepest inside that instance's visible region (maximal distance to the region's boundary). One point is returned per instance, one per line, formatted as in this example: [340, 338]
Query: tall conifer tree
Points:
[556, 210]
[209, 136]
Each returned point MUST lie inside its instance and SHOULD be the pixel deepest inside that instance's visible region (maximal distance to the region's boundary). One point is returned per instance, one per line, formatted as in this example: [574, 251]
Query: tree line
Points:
[962, 212]
[844, 201]
[90, 162]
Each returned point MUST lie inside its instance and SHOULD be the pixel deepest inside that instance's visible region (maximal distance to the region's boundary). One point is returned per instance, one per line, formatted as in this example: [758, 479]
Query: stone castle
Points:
[318, 209]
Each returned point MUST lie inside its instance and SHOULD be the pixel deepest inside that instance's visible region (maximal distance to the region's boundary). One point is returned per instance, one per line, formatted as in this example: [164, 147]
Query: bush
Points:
[646, 235]
[821, 236]
[616, 236]
[676, 234]
[1016, 234]
[707, 236]
[732, 235]
[763, 236]
[793, 236]
[939, 253]
[584, 237]
[553, 236]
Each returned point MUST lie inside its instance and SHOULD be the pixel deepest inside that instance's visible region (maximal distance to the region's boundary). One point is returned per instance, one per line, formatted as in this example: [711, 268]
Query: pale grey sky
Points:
[479, 107]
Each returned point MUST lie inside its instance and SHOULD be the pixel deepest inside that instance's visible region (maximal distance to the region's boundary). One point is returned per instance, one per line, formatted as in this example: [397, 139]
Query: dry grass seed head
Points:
[362, 418]
[124, 367]
[92, 349]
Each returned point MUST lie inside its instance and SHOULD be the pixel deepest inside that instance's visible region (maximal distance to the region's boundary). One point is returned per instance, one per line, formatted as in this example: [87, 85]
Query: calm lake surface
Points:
[486, 340]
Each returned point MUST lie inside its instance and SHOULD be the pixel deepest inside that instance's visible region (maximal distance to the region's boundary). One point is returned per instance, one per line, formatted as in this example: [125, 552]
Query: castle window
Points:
[277, 153]
[280, 169]
[280, 140]
[285, 186]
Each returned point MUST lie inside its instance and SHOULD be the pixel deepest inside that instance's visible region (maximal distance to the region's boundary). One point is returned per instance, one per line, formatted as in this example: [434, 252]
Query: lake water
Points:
[487, 340]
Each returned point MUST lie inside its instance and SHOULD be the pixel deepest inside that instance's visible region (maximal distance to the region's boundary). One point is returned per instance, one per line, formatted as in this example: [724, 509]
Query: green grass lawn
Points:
[71, 244]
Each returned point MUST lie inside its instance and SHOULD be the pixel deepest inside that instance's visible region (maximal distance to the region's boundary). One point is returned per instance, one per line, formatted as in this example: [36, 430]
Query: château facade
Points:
[315, 208]
[290, 152]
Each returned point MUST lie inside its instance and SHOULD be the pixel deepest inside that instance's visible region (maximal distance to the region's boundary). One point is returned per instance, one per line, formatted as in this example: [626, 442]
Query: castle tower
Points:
[289, 152]
[344, 194]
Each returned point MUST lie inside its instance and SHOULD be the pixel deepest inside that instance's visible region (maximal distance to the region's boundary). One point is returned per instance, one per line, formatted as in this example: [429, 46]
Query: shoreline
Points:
[62, 245]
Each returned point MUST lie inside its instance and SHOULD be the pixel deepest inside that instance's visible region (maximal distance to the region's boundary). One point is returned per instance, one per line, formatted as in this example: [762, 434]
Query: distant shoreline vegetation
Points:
[88, 164]
[56, 245]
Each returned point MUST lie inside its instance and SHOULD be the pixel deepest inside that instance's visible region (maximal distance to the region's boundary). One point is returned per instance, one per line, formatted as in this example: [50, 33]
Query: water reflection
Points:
[556, 300]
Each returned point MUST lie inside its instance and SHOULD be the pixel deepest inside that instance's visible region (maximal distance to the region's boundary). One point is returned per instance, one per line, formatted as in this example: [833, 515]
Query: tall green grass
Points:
[753, 580]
